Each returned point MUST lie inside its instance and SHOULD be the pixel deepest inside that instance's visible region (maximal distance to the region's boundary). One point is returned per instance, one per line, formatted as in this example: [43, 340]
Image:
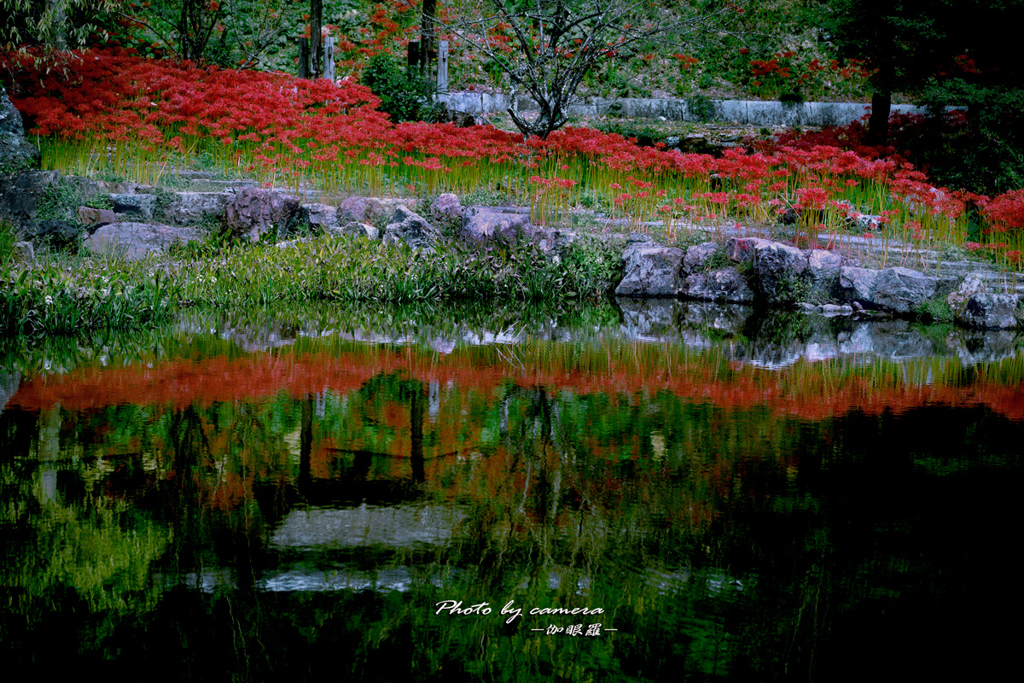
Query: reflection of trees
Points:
[60, 547]
[730, 541]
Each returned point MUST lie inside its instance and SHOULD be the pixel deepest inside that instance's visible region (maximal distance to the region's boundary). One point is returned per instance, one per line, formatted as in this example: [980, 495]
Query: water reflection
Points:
[306, 507]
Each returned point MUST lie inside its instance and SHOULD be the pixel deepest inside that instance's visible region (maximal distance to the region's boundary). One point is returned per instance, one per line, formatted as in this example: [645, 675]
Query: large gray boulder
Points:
[355, 229]
[973, 307]
[189, 208]
[972, 284]
[55, 233]
[902, 290]
[364, 209]
[697, 256]
[20, 196]
[409, 227]
[857, 284]
[447, 210]
[369, 209]
[651, 271]
[779, 269]
[136, 241]
[253, 212]
[16, 153]
[317, 217]
[741, 249]
[987, 311]
[725, 285]
[822, 274]
[134, 205]
[483, 225]
[94, 218]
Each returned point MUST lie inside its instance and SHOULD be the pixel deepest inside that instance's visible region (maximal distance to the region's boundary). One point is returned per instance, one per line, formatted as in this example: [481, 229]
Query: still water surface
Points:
[239, 500]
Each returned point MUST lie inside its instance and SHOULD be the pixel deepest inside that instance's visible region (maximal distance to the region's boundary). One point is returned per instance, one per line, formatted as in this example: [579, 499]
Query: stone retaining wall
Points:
[746, 112]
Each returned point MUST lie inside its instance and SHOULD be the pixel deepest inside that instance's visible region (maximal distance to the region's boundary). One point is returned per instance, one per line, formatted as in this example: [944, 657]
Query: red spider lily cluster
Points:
[288, 130]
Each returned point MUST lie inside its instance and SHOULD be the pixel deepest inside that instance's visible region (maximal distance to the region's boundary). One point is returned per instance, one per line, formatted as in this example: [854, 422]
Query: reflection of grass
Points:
[93, 549]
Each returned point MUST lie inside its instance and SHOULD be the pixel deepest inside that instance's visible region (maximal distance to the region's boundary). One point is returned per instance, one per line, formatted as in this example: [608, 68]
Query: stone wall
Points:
[746, 112]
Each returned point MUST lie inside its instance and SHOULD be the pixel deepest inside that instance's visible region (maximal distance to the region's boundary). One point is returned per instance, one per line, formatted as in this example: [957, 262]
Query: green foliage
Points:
[590, 265]
[8, 236]
[82, 298]
[229, 33]
[403, 93]
[329, 269]
[700, 108]
[962, 55]
[57, 24]
[719, 261]
[935, 310]
[59, 202]
[986, 154]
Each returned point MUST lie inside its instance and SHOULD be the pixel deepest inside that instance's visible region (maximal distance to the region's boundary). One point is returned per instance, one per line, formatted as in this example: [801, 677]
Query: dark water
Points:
[258, 501]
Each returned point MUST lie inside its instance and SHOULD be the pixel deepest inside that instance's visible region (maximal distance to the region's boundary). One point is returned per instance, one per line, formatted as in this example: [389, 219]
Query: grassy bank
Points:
[76, 294]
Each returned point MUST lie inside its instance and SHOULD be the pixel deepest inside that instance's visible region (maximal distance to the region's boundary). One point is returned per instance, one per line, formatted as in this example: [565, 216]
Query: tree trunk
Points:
[878, 124]
[316, 20]
[427, 38]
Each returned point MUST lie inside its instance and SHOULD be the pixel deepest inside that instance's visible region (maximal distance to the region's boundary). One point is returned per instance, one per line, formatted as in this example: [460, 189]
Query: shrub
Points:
[404, 94]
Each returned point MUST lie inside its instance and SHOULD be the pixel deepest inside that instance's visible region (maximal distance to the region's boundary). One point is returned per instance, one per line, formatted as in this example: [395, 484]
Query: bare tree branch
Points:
[547, 47]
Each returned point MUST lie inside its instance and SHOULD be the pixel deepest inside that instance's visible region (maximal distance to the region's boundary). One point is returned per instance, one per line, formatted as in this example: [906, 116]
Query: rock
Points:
[57, 234]
[363, 209]
[822, 272]
[726, 285]
[485, 225]
[319, 217]
[189, 208]
[741, 249]
[986, 311]
[253, 212]
[866, 222]
[20, 196]
[651, 271]
[779, 269]
[901, 290]
[698, 255]
[830, 310]
[355, 229]
[972, 284]
[24, 252]
[93, 218]
[16, 153]
[136, 241]
[135, 205]
[409, 227]
[447, 210]
[89, 187]
[857, 284]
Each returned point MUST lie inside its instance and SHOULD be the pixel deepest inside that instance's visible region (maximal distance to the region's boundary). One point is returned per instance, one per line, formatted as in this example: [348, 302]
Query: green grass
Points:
[71, 295]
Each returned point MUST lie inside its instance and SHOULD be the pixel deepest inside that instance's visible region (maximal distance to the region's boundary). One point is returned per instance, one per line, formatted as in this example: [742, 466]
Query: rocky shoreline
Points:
[142, 220]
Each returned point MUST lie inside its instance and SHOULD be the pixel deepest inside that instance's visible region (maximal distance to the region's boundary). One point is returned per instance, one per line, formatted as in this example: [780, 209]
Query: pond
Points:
[656, 493]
